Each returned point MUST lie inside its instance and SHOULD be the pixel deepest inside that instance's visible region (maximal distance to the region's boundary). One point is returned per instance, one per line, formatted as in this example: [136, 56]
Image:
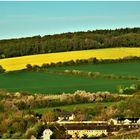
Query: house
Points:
[66, 116]
[72, 117]
[127, 122]
[90, 131]
[47, 134]
[124, 121]
[96, 123]
[138, 122]
[134, 120]
[113, 122]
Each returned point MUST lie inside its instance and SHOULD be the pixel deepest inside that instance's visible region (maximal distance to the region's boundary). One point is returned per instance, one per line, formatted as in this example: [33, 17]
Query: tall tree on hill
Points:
[128, 37]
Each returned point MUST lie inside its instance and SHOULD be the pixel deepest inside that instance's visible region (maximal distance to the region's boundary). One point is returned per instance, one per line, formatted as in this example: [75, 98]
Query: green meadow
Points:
[75, 106]
[54, 83]
[121, 68]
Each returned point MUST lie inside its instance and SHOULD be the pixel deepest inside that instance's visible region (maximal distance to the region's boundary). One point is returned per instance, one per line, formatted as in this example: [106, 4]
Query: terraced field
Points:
[18, 63]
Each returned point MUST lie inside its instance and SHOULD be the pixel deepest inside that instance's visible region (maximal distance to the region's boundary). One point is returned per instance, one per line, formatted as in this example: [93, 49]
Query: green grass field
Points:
[43, 82]
[126, 69]
[73, 107]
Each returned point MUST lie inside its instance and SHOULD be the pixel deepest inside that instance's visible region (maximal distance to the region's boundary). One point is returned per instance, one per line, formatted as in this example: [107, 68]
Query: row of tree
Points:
[98, 74]
[128, 37]
[83, 61]
[39, 101]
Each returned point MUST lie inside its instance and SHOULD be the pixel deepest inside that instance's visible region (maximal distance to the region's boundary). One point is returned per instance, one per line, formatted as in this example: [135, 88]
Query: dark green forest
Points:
[128, 37]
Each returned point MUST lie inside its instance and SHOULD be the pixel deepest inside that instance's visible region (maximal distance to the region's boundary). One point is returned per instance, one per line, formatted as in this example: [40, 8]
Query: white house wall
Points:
[89, 133]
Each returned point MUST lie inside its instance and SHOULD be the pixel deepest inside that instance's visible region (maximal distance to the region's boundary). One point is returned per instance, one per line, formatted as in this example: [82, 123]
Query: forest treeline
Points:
[128, 37]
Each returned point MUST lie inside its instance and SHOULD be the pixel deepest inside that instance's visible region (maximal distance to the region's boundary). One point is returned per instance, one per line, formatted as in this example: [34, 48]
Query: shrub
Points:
[30, 132]
[48, 117]
[29, 66]
[6, 135]
[45, 65]
[59, 64]
[2, 70]
[17, 135]
[52, 64]
[92, 60]
[129, 90]
[1, 107]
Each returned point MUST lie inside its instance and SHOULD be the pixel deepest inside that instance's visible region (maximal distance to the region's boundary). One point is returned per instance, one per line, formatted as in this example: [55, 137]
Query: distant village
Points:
[93, 129]
[20, 118]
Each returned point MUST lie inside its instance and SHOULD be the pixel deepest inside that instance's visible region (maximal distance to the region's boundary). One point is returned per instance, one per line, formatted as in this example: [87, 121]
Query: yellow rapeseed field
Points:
[18, 63]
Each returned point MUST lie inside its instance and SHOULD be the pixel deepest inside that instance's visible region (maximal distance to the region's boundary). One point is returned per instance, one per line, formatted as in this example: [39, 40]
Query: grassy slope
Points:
[127, 69]
[53, 83]
[110, 53]
[42, 82]
[73, 107]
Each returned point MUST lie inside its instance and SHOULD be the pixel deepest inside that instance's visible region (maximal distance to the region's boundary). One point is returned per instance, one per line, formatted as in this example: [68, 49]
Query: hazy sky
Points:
[21, 19]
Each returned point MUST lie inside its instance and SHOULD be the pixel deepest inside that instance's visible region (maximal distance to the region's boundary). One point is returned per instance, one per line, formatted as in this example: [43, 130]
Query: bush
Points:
[18, 126]
[30, 132]
[35, 67]
[2, 70]
[129, 90]
[39, 130]
[92, 60]
[29, 66]
[17, 135]
[59, 64]
[1, 107]
[6, 135]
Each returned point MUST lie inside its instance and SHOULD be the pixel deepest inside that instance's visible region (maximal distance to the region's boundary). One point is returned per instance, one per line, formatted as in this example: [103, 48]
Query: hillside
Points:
[58, 82]
[17, 63]
[128, 37]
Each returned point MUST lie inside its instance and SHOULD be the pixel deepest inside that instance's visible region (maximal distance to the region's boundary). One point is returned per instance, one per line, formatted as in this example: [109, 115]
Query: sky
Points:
[23, 19]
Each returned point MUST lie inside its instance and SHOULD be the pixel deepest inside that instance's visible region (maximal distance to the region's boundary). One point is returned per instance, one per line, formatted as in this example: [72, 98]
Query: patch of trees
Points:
[128, 37]
[128, 108]
[20, 125]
